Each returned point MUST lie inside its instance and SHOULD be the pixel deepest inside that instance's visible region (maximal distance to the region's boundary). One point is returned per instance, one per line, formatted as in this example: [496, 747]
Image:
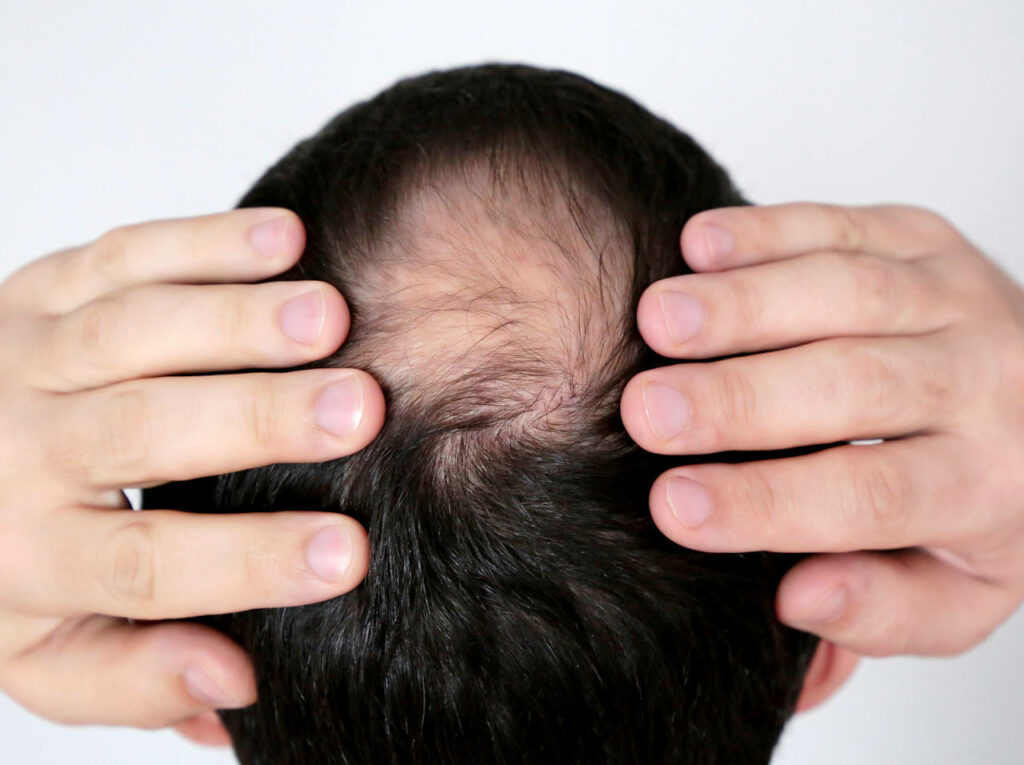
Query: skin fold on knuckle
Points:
[873, 385]
[919, 389]
[734, 405]
[877, 286]
[746, 307]
[849, 228]
[105, 439]
[938, 387]
[265, 559]
[941, 291]
[109, 255]
[129, 567]
[238, 324]
[125, 433]
[932, 226]
[754, 500]
[261, 407]
[881, 497]
[94, 335]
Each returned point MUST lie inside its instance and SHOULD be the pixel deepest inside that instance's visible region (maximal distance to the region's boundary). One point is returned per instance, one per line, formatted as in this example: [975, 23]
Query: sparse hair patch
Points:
[492, 229]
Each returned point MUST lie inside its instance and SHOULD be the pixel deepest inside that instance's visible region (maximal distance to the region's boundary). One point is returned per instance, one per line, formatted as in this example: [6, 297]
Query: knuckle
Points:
[931, 223]
[261, 565]
[97, 332]
[108, 252]
[929, 226]
[757, 494]
[883, 491]
[747, 305]
[130, 567]
[735, 402]
[110, 440]
[126, 431]
[874, 285]
[849, 227]
[935, 390]
[873, 378]
[913, 388]
[259, 413]
[236, 321]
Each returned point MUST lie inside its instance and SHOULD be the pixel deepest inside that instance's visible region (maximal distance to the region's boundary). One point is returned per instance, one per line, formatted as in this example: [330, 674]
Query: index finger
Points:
[730, 237]
[243, 245]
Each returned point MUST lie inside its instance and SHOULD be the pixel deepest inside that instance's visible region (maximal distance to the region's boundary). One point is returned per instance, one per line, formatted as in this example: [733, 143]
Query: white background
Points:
[117, 112]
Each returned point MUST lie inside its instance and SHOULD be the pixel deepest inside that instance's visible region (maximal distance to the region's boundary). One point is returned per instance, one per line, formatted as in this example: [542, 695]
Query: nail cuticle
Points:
[688, 501]
[719, 241]
[683, 315]
[329, 553]
[267, 237]
[339, 408]
[667, 410]
[302, 317]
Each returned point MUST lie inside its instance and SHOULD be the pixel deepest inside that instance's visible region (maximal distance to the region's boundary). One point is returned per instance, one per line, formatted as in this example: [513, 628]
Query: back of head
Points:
[492, 229]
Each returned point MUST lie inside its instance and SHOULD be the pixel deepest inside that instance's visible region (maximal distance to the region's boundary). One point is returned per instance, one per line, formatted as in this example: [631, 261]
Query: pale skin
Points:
[875, 322]
[878, 323]
[87, 407]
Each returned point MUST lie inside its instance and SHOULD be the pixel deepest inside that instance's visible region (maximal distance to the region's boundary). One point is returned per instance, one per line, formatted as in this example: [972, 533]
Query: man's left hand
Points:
[876, 322]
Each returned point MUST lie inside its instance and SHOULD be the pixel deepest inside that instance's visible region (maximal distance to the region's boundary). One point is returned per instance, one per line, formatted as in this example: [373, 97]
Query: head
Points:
[492, 229]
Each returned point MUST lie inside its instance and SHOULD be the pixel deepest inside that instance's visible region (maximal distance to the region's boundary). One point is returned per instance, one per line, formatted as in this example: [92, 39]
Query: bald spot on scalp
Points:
[506, 298]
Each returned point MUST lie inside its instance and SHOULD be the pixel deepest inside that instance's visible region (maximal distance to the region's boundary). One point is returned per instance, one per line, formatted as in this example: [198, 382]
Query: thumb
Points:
[107, 671]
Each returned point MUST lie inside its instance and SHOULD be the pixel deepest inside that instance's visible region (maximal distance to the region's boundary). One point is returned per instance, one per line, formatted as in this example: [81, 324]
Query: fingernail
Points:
[668, 410]
[204, 688]
[719, 241]
[329, 553]
[689, 502]
[267, 238]
[817, 608]
[302, 317]
[340, 407]
[684, 315]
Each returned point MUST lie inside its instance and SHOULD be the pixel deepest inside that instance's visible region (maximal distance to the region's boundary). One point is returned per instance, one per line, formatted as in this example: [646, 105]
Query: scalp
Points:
[511, 294]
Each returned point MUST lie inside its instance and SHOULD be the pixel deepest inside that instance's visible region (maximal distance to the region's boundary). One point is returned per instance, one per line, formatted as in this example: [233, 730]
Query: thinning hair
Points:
[492, 229]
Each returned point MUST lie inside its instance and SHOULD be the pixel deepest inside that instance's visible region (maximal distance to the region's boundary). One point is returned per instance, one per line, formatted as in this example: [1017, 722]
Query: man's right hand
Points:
[88, 337]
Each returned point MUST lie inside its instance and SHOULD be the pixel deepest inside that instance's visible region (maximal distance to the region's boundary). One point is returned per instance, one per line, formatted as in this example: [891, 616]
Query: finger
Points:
[123, 335]
[166, 564]
[107, 671]
[883, 604]
[145, 432]
[780, 304]
[236, 246]
[899, 493]
[729, 237]
[830, 390]
[205, 728]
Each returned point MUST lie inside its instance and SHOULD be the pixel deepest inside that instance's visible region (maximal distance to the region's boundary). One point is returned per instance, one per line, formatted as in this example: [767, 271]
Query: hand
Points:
[876, 322]
[87, 337]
